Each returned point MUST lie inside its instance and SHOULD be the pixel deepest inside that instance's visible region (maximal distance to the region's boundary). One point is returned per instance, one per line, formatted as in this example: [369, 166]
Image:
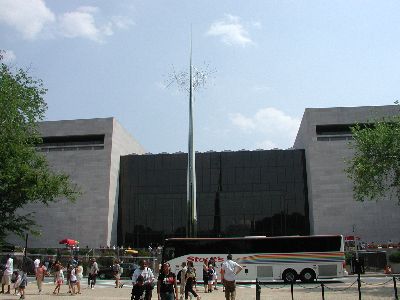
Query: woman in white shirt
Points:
[79, 277]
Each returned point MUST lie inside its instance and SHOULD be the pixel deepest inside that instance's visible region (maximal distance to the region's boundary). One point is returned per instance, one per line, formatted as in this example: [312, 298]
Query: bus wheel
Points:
[289, 275]
[307, 275]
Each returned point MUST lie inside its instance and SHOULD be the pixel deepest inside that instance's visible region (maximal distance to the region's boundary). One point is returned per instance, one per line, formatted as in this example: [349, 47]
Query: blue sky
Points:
[272, 59]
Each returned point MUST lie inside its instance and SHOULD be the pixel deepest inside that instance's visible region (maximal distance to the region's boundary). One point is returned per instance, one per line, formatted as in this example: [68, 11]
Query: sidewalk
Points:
[243, 293]
[373, 274]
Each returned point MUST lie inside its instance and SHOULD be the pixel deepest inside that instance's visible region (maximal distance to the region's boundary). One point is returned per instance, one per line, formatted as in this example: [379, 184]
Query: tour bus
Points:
[285, 258]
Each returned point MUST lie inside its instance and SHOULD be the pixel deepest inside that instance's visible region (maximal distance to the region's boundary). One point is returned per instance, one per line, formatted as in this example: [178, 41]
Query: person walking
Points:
[58, 277]
[182, 278]
[167, 288]
[23, 284]
[215, 278]
[36, 263]
[72, 280]
[229, 271]
[116, 272]
[16, 282]
[7, 273]
[148, 278]
[69, 269]
[94, 269]
[190, 280]
[205, 275]
[40, 273]
[79, 276]
[211, 274]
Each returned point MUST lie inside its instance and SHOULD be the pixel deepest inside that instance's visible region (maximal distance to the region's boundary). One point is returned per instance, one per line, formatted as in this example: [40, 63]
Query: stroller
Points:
[138, 289]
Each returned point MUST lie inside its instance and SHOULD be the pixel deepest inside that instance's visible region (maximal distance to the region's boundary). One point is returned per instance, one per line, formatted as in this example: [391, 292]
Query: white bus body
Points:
[279, 258]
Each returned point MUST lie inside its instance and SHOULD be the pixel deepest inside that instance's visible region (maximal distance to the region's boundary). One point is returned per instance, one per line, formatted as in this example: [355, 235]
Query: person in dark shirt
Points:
[190, 280]
[167, 289]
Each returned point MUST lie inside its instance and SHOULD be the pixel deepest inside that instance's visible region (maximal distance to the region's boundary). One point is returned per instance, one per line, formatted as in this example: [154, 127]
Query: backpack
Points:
[116, 268]
[191, 273]
[210, 272]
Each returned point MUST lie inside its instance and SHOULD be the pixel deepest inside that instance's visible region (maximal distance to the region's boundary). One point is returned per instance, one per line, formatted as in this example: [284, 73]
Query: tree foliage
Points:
[375, 167]
[25, 176]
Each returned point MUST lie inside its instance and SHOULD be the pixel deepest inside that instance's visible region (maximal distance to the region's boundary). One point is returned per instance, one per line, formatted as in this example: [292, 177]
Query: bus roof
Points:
[254, 237]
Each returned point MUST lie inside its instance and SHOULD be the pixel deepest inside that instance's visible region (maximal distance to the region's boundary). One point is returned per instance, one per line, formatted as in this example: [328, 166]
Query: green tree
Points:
[25, 176]
[375, 166]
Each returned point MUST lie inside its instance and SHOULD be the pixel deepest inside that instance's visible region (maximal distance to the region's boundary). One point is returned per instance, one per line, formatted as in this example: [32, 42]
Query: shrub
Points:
[51, 251]
[34, 251]
[395, 257]
[348, 257]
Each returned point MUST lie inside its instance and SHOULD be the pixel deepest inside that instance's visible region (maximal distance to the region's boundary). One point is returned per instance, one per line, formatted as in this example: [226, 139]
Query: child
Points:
[58, 278]
[138, 289]
[215, 279]
[210, 272]
[23, 284]
[16, 280]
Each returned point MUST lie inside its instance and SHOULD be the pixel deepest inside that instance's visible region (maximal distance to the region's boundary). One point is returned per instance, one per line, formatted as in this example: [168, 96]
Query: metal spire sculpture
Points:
[190, 82]
[191, 227]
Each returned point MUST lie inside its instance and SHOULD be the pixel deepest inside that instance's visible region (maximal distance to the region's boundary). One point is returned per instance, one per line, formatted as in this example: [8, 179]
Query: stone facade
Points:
[94, 167]
[332, 207]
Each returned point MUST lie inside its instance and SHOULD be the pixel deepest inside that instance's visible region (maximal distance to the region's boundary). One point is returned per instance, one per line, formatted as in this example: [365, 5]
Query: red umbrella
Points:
[68, 242]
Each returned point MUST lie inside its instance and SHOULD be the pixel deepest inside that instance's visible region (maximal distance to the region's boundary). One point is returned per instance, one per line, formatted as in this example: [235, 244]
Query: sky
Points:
[266, 62]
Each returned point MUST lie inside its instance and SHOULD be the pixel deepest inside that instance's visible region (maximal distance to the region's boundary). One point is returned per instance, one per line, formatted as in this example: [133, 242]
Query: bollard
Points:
[395, 288]
[258, 290]
[291, 289]
[359, 286]
[323, 291]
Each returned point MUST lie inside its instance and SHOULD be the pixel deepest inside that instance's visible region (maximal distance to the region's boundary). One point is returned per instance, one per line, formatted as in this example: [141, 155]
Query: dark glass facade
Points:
[238, 193]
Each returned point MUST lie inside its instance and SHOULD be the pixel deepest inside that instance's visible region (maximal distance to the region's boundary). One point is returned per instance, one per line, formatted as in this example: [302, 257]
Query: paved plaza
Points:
[376, 289]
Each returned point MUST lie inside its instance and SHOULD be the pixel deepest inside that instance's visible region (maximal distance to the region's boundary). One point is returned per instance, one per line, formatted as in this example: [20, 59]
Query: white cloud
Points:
[26, 16]
[8, 56]
[122, 22]
[261, 88]
[88, 9]
[256, 24]
[266, 145]
[32, 17]
[80, 23]
[274, 127]
[231, 31]
[244, 123]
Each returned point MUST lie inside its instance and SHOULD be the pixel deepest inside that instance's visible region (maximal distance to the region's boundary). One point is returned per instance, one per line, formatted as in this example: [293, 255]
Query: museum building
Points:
[130, 197]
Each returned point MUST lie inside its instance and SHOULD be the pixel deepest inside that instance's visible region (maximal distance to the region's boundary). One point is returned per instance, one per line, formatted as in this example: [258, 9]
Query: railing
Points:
[326, 288]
